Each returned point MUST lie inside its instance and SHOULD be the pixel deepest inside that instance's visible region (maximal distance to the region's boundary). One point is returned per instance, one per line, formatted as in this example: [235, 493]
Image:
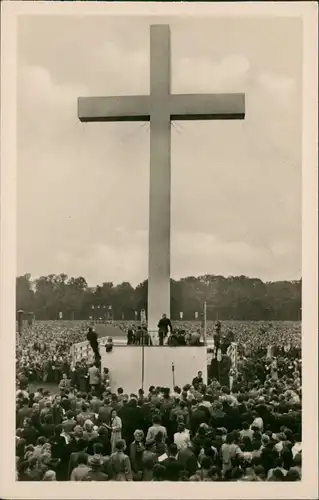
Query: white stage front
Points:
[127, 369]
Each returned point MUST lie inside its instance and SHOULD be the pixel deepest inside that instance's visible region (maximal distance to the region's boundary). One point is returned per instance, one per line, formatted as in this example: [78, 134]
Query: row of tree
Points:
[235, 297]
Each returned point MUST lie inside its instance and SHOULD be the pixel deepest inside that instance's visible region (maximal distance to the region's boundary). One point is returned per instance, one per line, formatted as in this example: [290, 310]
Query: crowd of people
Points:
[43, 351]
[241, 428]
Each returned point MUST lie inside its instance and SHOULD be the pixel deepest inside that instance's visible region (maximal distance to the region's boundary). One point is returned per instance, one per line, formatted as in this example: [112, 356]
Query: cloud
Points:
[236, 201]
[278, 86]
[200, 75]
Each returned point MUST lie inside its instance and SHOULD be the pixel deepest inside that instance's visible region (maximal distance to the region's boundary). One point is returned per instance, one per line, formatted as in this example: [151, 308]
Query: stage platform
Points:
[135, 367]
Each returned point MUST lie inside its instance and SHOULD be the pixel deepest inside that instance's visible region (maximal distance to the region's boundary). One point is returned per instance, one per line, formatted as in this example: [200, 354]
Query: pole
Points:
[205, 323]
[173, 374]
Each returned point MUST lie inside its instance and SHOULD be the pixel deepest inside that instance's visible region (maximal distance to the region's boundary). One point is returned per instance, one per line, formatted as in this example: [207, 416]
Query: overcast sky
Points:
[83, 188]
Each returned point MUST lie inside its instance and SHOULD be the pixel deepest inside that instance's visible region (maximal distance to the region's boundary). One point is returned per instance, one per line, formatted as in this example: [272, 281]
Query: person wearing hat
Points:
[95, 473]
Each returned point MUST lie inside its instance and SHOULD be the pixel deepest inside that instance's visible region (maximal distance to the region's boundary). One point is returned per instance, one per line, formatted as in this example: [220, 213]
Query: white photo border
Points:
[308, 487]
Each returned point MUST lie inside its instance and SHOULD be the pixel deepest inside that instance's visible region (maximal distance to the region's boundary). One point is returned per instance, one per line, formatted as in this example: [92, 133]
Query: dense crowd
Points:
[43, 351]
[243, 428]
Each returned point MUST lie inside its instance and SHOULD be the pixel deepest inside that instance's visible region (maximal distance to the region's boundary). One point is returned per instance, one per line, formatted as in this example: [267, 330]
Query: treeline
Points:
[235, 297]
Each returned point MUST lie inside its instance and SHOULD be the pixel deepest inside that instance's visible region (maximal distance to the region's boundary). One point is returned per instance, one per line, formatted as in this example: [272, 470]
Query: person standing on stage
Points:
[92, 338]
[138, 336]
[130, 336]
[163, 325]
[146, 338]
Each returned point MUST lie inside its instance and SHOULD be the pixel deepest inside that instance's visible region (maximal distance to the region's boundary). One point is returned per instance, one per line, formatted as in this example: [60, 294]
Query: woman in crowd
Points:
[116, 429]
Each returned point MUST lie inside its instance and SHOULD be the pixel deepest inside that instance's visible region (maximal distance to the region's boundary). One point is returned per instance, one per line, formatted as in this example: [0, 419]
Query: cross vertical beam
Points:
[160, 176]
[160, 107]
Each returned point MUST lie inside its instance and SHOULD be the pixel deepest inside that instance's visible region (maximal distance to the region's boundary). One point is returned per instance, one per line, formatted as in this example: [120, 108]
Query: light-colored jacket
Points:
[155, 429]
[79, 472]
[94, 375]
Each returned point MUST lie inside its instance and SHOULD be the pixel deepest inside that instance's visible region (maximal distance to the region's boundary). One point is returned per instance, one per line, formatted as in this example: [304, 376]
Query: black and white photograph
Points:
[159, 318]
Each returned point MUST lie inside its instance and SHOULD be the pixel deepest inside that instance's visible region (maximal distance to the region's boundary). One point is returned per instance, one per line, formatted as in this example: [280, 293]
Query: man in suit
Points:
[164, 325]
[132, 418]
[187, 460]
[130, 336]
[92, 338]
[172, 465]
[24, 412]
[105, 412]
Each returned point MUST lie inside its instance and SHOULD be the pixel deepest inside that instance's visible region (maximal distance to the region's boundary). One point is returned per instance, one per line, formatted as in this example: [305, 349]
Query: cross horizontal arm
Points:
[207, 106]
[114, 109]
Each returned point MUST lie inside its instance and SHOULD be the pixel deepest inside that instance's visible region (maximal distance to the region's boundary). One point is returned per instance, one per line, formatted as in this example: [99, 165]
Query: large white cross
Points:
[160, 108]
